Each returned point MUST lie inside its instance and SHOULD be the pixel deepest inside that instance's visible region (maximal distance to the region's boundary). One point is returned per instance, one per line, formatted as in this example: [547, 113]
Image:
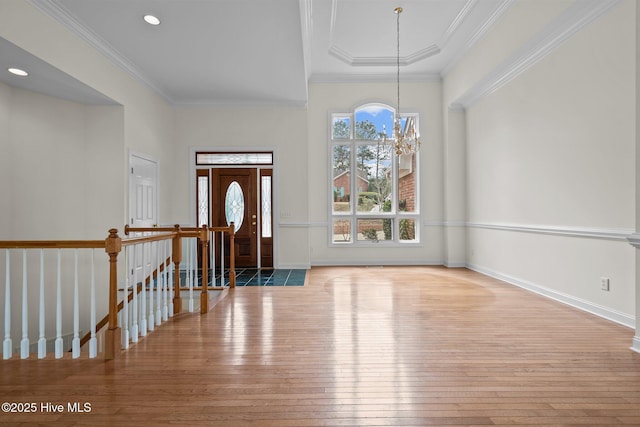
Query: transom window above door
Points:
[373, 191]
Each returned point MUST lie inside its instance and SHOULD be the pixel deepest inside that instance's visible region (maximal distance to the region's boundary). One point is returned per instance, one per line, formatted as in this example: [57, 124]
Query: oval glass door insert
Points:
[234, 205]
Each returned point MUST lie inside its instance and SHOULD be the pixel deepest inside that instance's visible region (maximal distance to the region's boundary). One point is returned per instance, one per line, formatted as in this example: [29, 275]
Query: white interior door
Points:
[143, 191]
[143, 208]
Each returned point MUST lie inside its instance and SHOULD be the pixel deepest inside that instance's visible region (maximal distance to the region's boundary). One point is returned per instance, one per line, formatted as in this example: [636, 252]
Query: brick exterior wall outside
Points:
[344, 180]
[407, 188]
[406, 192]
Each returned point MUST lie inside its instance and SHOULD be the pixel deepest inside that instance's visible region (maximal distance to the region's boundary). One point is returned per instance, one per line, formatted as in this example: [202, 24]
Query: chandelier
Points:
[404, 141]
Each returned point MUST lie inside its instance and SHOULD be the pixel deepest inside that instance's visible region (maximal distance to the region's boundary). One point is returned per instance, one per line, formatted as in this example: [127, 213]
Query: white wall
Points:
[61, 156]
[281, 129]
[5, 159]
[423, 97]
[550, 158]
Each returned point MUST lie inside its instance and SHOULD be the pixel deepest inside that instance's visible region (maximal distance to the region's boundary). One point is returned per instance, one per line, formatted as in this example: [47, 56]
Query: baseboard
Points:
[589, 307]
[635, 344]
[331, 263]
[294, 266]
[455, 264]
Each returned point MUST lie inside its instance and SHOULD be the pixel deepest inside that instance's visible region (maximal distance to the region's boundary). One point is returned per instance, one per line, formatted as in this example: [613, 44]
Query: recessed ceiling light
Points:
[151, 20]
[18, 72]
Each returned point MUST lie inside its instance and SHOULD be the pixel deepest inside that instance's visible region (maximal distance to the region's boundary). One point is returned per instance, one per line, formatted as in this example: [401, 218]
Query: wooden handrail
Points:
[52, 244]
[146, 239]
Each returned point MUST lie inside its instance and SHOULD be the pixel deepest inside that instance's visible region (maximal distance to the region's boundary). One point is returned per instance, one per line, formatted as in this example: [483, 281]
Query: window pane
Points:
[266, 206]
[375, 229]
[234, 205]
[341, 178]
[341, 230]
[374, 182]
[203, 200]
[407, 230]
[407, 183]
[341, 127]
[234, 158]
[373, 121]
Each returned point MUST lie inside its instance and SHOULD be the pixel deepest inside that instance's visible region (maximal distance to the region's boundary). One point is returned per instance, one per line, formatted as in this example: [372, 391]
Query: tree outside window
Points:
[374, 191]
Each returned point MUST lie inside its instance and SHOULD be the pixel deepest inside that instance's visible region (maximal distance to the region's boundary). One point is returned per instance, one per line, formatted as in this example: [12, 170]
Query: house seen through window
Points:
[374, 191]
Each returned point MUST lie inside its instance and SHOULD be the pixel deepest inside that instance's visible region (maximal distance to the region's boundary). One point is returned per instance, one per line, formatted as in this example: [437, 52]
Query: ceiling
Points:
[258, 52]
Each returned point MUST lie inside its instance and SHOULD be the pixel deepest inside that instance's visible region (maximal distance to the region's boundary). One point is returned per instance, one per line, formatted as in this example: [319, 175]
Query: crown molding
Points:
[231, 103]
[62, 15]
[457, 22]
[372, 78]
[306, 21]
[382, 61]
[478, 34]
[377, 61]
[577, 16]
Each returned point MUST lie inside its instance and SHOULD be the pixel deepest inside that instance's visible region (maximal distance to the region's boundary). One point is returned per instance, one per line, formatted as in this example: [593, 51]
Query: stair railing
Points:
[139, 299]
[49, 256]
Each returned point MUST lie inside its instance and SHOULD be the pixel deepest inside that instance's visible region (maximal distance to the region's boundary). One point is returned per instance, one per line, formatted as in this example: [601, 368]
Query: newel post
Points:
[176, 248]
[204, 296]
[113, 246]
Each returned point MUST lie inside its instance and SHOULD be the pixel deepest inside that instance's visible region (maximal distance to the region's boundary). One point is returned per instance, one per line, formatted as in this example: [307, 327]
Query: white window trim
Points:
[352, 216]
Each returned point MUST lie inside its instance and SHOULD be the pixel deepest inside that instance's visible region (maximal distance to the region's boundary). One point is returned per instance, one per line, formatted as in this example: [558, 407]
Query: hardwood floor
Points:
[392, 346]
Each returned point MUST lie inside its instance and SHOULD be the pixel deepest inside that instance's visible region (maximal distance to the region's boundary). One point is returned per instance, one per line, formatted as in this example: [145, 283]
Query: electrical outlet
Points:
[604, 283]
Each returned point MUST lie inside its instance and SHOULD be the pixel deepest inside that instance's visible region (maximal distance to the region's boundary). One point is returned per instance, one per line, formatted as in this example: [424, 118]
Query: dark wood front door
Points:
[235, 199]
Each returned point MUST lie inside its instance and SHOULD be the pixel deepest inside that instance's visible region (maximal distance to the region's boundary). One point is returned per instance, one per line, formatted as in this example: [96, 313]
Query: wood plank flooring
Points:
[392, 346]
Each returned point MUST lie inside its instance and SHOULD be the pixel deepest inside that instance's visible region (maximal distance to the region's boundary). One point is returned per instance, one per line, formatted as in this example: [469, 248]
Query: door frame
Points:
[274, 187]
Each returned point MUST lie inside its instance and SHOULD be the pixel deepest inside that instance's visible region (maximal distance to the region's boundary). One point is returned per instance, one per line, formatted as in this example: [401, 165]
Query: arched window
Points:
[374, 192]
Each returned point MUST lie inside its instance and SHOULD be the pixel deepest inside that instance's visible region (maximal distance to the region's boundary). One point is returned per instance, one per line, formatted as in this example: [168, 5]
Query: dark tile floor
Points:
[269, 277]
[257, 277]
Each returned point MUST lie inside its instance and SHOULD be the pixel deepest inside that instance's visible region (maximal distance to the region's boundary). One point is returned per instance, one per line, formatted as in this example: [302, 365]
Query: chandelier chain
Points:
[404, 141]
[398, 11]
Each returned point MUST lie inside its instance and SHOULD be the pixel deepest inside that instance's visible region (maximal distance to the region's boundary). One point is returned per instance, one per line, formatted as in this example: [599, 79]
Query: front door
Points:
[235, 200]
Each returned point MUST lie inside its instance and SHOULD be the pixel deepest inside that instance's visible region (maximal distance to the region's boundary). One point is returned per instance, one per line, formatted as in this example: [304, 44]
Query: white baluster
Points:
[222, 258]
[59, 343]
[165, 283]
[158, 286]
[171, 288]
[134, 317]
[24, 343]
[143, 294]
[125, 301]
[212, 249]
[152, 322]
[194, 263]
[75, 343]
[42, 341]
[6, 344]
[93, 341]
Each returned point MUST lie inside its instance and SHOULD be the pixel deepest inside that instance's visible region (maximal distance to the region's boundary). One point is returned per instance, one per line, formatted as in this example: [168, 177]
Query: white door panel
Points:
[143, 199]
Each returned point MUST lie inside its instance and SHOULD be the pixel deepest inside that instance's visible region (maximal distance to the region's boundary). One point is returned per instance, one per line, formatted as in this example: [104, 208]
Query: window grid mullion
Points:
[395, 216]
